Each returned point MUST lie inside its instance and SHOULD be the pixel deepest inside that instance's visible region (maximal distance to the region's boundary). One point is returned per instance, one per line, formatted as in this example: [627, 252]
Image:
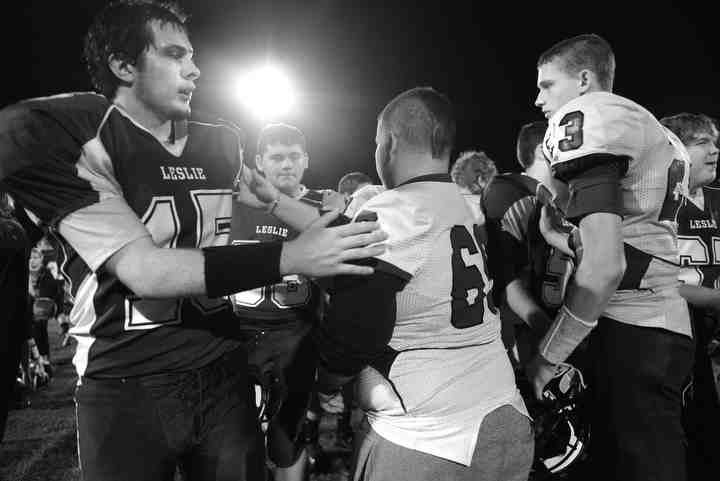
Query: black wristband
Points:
[231, 269]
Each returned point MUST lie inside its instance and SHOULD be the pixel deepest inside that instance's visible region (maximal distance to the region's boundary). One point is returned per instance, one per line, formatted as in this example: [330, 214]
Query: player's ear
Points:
[585, 79]
[538, 154]
[122, 68]
[258, 162]
[393, 144]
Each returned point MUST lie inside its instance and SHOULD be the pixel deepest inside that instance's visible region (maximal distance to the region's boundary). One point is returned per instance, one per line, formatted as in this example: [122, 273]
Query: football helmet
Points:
[562, 430]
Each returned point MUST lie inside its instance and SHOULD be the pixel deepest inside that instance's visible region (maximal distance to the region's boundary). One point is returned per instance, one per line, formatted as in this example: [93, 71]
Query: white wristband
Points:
[565, 334]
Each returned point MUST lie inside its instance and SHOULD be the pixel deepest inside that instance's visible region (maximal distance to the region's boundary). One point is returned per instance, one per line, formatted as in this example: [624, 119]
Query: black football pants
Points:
[638, 375]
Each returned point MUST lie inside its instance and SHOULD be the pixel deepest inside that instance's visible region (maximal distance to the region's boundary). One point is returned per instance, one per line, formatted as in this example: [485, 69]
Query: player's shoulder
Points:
[387, 199]
[511, 184]
[601, 123]
[71, 102]
[399, 214]
[505, 190]
[209, 124]
[80, 113]
[603, 106]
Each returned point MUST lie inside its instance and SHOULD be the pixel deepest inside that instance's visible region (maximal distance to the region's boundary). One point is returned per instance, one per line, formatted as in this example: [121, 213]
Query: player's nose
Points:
[192, 71]
[539, 101]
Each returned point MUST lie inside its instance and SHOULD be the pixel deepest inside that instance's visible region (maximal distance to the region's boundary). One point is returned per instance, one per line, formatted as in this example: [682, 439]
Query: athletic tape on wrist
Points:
[566, 332]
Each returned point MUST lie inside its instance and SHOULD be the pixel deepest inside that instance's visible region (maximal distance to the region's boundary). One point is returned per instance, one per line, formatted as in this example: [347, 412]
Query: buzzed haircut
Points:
[283, 134]
[530, 136]
[688, 126]
[587, 51]
[122, 29]
[349, 182]
[423, 118]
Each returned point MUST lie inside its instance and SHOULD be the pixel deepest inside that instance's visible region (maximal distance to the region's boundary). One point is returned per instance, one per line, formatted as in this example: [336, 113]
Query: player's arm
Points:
[357, 328]
[109, 235]
[596, 208]
[700, 296]
[518, 298]
[254, 190]
[508, 213]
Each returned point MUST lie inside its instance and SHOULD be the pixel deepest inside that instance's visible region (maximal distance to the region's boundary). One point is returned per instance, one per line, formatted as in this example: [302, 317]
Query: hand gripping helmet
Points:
[562, 431]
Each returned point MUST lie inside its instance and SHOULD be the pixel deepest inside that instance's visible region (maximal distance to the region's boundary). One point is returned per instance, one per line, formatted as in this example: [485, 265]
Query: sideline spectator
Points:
[472, 171]
[14, 250]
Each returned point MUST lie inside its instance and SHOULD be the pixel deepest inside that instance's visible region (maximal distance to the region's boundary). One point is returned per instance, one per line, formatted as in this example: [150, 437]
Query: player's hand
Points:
[254, 190]
[540, 372]
[322, 251]
[332, 403]
[550, 227]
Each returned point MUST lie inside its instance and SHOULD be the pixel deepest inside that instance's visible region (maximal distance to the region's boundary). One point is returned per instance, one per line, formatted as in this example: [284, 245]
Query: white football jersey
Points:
[652, 191]
[450, 367]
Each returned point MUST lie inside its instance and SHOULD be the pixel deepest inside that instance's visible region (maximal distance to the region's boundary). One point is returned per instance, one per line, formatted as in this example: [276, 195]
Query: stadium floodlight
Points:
[267, 92]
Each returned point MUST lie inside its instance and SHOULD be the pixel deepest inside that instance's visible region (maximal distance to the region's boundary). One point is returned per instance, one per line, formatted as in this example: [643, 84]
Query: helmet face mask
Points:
[561, 426]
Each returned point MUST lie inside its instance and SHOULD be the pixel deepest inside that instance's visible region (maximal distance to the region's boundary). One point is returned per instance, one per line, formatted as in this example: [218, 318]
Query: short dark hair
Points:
[423, 118]
[280, 134]
[349, 182]
[587, 51]
[530, 136]
[688, 126]
[123, 30]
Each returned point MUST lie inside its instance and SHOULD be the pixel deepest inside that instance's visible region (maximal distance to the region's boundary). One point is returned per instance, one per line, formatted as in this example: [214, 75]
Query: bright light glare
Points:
[266, 92]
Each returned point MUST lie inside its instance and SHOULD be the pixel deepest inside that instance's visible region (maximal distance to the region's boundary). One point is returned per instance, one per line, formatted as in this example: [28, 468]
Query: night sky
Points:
[348, 58]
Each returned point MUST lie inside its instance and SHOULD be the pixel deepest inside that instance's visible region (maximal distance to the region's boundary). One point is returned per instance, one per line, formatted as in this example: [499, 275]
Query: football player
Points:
[536, 273]
[139, 197]
[276, 318]
[422, 334]
[699, 239]
[626, 180]
[472, 171]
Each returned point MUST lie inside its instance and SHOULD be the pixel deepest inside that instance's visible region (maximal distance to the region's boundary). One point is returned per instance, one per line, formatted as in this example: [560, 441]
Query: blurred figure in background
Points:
[358, 188]
[14, 246]
[353, 181]
[472, 171]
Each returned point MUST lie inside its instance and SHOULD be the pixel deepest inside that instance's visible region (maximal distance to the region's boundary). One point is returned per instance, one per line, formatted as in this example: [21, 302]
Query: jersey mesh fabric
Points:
[651, 191]
[447, 378]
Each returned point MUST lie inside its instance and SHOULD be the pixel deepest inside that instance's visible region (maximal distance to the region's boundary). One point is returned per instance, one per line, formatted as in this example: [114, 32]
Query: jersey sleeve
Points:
[99, 230]
[53, 162]
[360, 197]
[42, 145]
[510, 209]
[409, 232]
[509, 204]
[591, 130]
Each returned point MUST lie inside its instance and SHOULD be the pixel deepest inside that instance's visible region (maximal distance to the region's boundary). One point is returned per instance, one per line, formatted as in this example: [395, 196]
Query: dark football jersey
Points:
[99, 180]
[512, 215]
[294, 299]
[699, 242]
